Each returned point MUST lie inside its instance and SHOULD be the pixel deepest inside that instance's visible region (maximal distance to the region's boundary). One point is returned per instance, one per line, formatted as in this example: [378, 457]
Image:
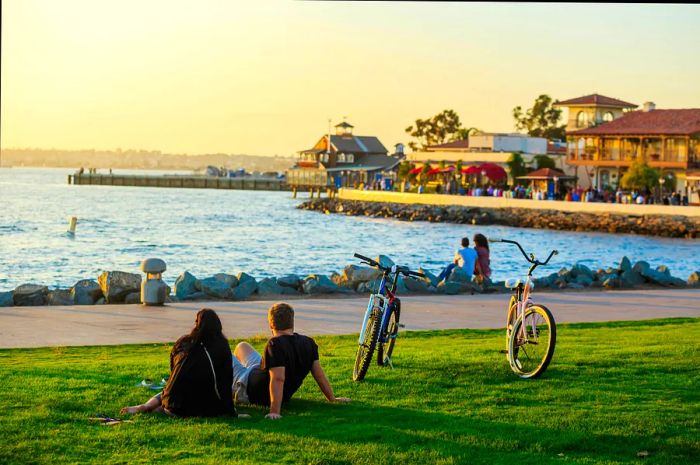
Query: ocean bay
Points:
[262, 233]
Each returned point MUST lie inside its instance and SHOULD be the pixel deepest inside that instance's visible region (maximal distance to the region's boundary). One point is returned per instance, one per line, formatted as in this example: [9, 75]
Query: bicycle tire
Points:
[365, 350]
[384, 350]
[531, 364]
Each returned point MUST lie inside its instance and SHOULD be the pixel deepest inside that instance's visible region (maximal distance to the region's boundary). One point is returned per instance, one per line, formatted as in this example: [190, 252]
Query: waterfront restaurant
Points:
[344, 160]
[488, 148]
[668, 140]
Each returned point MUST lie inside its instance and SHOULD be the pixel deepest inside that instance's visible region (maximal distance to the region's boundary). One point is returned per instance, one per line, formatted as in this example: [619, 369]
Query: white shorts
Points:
[241, 373]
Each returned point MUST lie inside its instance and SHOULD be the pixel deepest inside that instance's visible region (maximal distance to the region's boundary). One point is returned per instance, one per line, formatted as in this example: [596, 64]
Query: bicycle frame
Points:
[523, 302]
[381, 300]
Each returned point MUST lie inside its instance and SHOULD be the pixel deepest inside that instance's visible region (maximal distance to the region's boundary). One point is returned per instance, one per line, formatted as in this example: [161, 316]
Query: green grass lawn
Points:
[612, 391]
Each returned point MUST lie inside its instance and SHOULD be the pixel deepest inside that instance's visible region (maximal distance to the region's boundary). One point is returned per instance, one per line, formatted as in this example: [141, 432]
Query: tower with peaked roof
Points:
[592, 110]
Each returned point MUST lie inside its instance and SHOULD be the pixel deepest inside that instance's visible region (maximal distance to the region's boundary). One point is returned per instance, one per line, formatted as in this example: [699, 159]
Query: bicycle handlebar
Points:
[530, 258]
[399, 269]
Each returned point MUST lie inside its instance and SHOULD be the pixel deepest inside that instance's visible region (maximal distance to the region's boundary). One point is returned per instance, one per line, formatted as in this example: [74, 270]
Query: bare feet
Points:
[132, 410]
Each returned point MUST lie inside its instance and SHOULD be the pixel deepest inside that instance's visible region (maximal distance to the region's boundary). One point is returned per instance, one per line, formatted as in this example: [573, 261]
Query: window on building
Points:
[341, 158]
[608, 116]
[350, 158]
[582, 119]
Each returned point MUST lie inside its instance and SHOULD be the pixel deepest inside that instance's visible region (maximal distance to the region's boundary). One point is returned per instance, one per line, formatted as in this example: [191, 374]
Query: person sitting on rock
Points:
[465, 258]
[273, 378]
[201, 374]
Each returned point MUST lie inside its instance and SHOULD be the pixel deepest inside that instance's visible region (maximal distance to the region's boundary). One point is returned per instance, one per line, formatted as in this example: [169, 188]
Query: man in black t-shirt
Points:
[273, 378]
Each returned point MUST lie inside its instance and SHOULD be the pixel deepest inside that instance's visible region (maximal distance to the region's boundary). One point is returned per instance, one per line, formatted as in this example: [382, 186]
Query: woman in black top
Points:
[201, 374]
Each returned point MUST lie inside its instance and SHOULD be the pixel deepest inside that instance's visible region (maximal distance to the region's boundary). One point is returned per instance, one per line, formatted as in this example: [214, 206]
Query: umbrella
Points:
[471, 170]
[493, 171]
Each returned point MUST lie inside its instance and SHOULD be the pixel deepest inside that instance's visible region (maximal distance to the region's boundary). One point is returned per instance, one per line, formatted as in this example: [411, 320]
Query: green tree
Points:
[439, 129]
[544, 161]
[516, 166]
[424, 173]
[640, 176]
[541, 120]
[404, 170]
[459, 164]
[464, 133]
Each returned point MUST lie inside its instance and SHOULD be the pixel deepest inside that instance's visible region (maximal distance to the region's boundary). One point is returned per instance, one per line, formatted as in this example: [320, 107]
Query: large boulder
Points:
[662, 277]
[580, 269]
[416, 285]
[197, 295]
[631, 278]
[320, 284]
[693, 281]
[216, 288]
[384, 261]
[246, 286]
[27, 295]
[291, 281]
[229, 279]
[430, 278]
[370, 287]
[116, 285]
[133, 298]
[6, 299]
[269, 287]
[583, 280]
[449, 287]
[625, 264]
[641, 267]
[185, 285]
[60, 297]
[353, 275]
[86, 292]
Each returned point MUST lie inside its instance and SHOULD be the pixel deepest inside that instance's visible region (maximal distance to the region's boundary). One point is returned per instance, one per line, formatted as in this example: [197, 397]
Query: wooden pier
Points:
[188, 182]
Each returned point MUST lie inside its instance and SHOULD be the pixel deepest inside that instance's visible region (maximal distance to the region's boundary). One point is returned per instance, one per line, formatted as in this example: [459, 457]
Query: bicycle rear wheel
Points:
[385, 349]
[363, 357]
[529, 356]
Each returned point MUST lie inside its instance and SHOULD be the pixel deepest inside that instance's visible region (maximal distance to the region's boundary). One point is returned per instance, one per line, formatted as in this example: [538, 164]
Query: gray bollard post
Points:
[153, 289]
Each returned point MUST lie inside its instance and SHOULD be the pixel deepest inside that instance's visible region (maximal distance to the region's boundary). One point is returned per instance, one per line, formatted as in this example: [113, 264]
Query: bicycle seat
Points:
[514, 283]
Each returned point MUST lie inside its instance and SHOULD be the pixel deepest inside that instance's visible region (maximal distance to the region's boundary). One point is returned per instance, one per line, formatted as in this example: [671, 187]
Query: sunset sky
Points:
[263, 78]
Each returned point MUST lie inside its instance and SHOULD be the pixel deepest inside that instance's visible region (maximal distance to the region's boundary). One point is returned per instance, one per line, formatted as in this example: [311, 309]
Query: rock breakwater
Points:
[120, 287]
[650, 225]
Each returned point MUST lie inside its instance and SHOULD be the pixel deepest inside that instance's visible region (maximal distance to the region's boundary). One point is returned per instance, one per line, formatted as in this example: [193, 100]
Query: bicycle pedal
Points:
[402, 325]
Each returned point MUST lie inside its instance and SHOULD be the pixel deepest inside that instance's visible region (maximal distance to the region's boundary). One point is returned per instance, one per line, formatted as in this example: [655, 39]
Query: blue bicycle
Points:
[381, 322]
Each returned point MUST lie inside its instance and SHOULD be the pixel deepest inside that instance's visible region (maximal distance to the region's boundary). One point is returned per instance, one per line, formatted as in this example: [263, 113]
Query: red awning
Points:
[471, 170]
[416, 170]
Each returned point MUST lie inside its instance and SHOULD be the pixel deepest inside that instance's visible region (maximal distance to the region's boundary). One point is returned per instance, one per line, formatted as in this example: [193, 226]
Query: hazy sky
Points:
[263, 77]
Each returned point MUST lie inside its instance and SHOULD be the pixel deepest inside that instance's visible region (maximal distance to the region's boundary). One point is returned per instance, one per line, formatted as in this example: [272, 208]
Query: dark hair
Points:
[481, 241]
[465, 242]
[281, 316]
[207, 329]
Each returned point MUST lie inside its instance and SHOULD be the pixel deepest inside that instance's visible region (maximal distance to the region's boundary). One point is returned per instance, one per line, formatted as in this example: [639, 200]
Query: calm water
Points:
[211, 231]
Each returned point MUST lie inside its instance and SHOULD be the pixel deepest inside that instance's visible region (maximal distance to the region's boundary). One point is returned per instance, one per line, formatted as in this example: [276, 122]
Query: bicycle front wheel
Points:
[385, 349]
[532, 341]
[363, 357]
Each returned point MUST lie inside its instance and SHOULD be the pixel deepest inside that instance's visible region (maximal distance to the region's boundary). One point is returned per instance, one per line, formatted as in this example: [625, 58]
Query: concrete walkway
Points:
[130, 324]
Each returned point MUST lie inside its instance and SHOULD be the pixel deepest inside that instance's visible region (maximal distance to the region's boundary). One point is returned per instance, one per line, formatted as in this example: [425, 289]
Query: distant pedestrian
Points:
[482, 268]
[465, 258]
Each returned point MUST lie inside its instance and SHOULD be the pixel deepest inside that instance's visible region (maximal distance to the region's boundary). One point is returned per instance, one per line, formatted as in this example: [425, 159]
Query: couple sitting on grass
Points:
[205, 378]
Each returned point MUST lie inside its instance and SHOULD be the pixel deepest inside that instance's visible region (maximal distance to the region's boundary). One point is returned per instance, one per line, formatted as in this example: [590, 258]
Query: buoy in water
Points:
[72, 223]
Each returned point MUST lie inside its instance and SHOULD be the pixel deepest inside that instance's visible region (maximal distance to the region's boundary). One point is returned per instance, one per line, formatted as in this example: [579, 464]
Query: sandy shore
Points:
[131, 324]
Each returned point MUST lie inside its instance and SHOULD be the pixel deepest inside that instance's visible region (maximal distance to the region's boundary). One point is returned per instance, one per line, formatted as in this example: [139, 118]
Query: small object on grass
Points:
[107, 420]
[643, 454]
[147, 383]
